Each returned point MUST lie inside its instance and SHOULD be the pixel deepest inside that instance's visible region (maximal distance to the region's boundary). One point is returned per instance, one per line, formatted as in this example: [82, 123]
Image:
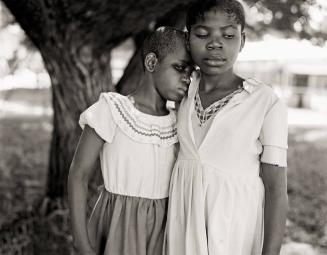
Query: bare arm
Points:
[86, 154]
[275, 211]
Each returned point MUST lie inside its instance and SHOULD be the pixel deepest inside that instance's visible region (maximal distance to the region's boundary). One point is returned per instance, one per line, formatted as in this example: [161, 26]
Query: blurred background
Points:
[55, 60]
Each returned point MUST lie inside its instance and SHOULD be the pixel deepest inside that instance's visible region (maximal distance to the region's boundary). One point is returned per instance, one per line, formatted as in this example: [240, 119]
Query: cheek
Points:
[172, 78]
[160, 81]
[197, 43]
[233, 49]
[162, 75]
[196, 53]
[167, 80]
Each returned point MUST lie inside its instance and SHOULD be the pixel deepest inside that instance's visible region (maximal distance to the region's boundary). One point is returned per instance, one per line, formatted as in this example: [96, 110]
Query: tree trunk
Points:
[77, 81]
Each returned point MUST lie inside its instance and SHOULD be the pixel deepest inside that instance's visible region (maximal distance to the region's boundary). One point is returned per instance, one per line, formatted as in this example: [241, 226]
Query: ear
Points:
[243, 37]
[150, 61]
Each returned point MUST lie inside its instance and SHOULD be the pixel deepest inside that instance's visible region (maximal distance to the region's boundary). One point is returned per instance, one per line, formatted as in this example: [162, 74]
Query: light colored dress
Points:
[216, 194]
[137, 159]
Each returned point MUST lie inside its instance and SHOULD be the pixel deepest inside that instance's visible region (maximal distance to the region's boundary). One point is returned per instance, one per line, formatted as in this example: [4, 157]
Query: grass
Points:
[307, 186]
[24, 151]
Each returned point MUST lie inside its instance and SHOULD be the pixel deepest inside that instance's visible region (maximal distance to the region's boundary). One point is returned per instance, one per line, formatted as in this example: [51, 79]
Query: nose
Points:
[215, 43]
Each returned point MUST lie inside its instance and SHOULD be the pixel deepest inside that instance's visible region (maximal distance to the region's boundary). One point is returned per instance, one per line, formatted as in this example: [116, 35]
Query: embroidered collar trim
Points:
[139, 126]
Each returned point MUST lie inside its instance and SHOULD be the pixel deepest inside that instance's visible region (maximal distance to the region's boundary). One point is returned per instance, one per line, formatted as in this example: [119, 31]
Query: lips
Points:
[215, 61]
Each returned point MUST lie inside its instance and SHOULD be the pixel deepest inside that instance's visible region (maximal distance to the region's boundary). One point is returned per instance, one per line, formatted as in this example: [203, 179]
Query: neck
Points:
[147, 99]
[225, 81]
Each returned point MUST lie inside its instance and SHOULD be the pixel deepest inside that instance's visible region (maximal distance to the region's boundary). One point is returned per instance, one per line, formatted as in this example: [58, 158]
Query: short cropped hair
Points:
[197, 10]
[163, 41]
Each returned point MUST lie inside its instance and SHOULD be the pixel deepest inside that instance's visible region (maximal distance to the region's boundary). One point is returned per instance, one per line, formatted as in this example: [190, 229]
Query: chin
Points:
[213, 71]
[176, 98]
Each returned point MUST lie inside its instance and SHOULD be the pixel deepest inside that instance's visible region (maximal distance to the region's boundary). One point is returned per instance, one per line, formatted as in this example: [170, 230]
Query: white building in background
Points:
[296, 69]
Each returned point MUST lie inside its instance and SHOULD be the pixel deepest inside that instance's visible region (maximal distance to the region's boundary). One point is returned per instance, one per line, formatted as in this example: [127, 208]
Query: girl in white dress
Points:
[136, 139]
[228, 189]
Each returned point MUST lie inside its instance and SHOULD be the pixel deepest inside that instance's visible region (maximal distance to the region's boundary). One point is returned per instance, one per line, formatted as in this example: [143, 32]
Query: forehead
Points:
[217, 19]
[178, 54]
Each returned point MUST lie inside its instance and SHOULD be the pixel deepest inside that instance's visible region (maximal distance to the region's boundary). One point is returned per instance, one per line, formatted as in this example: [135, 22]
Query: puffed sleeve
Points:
[99, 117]
[273, 135]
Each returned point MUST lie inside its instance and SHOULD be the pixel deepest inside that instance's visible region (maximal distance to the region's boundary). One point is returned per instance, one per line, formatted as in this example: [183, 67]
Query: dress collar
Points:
[250, 85]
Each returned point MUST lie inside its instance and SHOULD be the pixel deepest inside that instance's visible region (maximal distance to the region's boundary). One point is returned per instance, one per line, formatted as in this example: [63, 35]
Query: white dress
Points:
[216, 196]
[139, 150]
[137, 159]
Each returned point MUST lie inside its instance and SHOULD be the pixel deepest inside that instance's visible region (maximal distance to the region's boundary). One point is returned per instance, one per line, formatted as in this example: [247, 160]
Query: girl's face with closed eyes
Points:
[172, 74]
[215, 42]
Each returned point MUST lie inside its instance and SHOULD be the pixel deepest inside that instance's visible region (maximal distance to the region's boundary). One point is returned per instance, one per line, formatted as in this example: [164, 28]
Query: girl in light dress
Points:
[228, 191]
[136, 139]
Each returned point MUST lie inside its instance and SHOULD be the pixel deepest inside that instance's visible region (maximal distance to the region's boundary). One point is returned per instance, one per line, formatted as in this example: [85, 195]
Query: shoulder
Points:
[266, 97]
[116, 102]
[100, 118]
[113, 97]
[260, 89]
[256, 85]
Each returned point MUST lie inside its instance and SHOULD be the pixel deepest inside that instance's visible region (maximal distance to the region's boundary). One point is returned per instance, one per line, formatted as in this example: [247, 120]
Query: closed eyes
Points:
[180, 68]
[183, 68]
[203, 36]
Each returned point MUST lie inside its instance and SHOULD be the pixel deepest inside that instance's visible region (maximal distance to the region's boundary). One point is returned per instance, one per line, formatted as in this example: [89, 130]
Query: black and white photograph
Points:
[163, 127]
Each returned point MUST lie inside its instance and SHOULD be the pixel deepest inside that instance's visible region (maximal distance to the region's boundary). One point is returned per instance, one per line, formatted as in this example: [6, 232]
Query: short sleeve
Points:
[273, 135]
[99, 117]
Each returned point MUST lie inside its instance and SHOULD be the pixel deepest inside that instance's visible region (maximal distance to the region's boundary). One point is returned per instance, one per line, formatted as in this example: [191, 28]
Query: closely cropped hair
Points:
[197, 10]
[163, 41]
